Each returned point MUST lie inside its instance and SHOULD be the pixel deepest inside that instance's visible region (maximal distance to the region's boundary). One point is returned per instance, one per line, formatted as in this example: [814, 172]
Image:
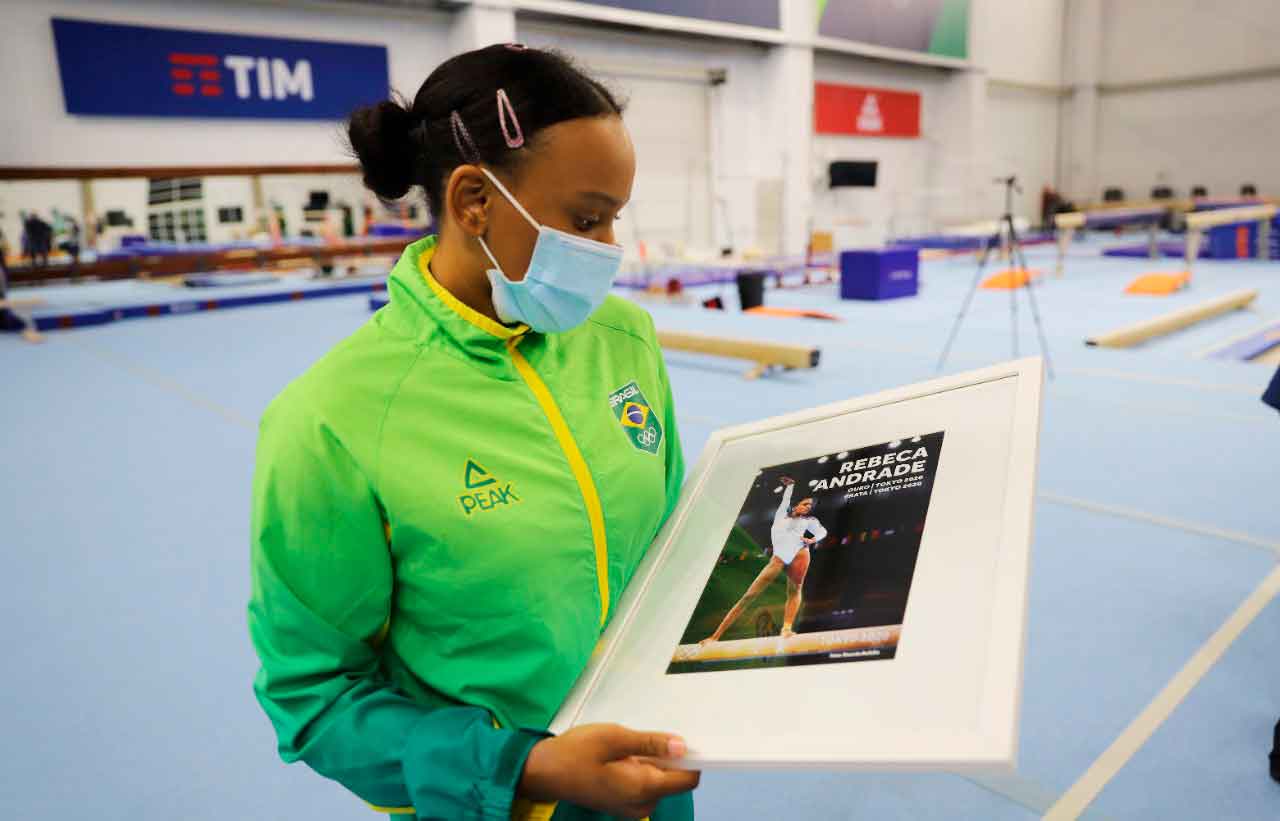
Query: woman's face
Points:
[577, 177]
[803, 507]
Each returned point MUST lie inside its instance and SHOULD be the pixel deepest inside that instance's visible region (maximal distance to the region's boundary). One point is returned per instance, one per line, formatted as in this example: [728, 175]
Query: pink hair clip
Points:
[505, 108]
[517, 46]
[462, 139]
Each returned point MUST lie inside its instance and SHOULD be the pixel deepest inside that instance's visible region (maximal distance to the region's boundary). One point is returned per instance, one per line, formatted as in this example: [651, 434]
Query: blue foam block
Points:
[1224, 241]
[879, 273]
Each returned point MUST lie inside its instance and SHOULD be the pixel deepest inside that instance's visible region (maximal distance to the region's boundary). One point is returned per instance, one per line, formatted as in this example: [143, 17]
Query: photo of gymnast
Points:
[794, 530]
[847, 549]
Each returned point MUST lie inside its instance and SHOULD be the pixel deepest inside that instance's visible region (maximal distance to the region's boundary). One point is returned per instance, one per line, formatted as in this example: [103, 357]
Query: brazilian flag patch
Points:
[638, 420]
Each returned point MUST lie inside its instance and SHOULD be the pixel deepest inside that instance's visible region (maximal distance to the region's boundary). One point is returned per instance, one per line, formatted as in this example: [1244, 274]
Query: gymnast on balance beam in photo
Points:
[790, 553]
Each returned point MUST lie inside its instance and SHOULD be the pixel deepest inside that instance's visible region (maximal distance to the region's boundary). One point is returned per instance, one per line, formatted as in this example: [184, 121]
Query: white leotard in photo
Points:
[788, 531]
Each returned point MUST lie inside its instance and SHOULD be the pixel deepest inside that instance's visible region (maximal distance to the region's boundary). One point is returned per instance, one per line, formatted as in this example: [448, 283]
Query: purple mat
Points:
[941, 242]
[1175, 250]
[1252, 346]
[1123, 216]
[712, 274]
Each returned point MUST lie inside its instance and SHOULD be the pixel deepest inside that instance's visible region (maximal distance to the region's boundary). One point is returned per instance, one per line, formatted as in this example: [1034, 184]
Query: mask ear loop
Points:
[514, 202]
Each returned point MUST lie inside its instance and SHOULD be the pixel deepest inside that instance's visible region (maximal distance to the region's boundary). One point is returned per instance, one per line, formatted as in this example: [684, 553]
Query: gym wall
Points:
[1187, 96]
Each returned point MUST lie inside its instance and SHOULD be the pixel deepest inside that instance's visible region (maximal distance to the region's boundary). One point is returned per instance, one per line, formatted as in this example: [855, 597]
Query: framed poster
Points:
[842, 587]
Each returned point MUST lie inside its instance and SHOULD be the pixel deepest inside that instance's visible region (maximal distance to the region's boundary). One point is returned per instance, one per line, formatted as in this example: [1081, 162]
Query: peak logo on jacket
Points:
[483, 491]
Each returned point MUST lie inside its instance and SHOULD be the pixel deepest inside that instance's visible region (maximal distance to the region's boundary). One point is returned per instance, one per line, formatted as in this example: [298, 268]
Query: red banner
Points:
[865, 112]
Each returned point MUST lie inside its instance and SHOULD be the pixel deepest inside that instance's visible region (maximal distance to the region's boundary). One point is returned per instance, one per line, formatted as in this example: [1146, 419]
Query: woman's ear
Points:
[466, 199]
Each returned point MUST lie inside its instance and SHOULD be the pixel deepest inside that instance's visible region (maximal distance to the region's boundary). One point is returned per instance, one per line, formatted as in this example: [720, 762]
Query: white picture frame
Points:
[950, 699]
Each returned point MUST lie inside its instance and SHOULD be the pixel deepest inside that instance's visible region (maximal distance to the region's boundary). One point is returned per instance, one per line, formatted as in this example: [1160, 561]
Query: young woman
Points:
[448, 504]
[790, 553]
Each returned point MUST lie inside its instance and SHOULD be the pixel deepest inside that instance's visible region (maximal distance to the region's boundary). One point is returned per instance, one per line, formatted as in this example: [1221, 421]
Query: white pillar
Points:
[1080, 136]
[791, 95]
[482, 24]
[959, 156]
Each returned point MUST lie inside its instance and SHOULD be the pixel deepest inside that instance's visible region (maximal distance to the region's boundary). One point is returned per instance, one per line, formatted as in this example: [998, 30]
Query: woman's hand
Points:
[605, 767]
[787, 480]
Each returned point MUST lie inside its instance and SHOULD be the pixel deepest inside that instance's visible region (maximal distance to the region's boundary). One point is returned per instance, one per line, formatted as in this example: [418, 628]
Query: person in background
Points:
[70, 239]
[1271, 395]
[11, 320]
[38, 240]
[4, 258]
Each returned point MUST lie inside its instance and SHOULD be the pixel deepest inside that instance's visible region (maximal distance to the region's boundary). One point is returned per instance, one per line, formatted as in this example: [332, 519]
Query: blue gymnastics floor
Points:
[129, 450]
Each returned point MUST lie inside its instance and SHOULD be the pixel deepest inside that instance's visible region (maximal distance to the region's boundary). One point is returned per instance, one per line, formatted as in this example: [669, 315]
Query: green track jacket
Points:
[445, 511]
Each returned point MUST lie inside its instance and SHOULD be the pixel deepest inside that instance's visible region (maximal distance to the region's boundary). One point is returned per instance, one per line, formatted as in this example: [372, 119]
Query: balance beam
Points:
[1066, 225]
[33, 302]
[1201, 221]
[1139, 332]
[829, 641]
[765, 354]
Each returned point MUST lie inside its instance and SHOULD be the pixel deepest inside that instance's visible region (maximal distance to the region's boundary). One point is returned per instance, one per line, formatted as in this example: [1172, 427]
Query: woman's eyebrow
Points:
[600, 196]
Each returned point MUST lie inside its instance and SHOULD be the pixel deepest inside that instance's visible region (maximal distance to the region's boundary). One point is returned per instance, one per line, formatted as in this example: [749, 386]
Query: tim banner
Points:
[141, 71]
[939, 27]
[865, 112]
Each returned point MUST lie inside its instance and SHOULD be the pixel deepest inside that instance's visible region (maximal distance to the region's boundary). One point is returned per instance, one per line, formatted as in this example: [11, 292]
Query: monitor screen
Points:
[853, 173]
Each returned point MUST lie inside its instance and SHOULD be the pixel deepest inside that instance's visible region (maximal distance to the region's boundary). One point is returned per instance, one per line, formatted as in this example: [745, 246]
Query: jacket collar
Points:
[423, 309]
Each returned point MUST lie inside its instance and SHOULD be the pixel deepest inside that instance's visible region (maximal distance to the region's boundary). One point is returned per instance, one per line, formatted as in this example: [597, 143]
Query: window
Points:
[159, 191]
[190, 189]
[190, 224]
[163, 190]
[231, 215]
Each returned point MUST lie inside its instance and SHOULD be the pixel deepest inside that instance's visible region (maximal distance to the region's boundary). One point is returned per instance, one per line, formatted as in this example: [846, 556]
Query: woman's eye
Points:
[586, 223]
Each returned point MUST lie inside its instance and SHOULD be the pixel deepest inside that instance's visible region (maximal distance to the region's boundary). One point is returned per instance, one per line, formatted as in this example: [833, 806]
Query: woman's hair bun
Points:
[380, 136]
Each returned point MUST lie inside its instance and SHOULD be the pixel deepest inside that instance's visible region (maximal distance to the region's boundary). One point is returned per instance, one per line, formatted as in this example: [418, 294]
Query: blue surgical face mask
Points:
[568, 277]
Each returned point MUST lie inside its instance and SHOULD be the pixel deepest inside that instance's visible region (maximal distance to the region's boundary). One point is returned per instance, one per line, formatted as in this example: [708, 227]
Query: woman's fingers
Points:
[651, 782]
[672, 782]
[624, 743]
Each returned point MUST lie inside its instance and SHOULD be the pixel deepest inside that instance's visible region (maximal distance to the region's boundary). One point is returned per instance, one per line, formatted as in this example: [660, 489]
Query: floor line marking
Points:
[1162, 521]
[1081, 794]
[159, 380]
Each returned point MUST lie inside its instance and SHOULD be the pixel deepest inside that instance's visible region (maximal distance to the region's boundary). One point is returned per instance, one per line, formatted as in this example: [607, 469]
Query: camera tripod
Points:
[1019, 260]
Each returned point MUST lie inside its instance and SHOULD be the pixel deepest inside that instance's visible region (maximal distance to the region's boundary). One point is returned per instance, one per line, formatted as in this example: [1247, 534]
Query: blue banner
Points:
[763, 13]
[139, 71]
